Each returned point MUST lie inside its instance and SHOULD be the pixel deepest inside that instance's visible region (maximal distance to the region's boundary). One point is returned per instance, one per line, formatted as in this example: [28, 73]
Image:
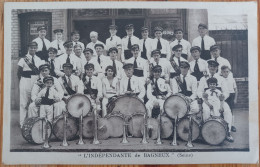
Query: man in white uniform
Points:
[58, 42]
[114, 41]
[94, 40]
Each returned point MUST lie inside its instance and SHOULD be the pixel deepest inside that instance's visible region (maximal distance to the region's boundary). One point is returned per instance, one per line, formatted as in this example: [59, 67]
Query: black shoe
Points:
[230, 138]
[233, 129]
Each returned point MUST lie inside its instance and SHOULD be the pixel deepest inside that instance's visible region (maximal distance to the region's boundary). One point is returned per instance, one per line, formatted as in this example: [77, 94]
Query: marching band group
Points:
[151, 69]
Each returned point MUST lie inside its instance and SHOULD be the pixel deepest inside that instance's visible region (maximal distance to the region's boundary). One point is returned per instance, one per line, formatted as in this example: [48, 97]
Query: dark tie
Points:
[58, 46]
[135, 63]
[196, 67]
[69, 83]
[129, 43]
[89, 82]
[202, 44]
[98, 59]
[216, 59]
[156, 84]
[43, 45]
[213, 91]
[111, 38]
[114, 67]
[184, 84]
[76, 43]
[87, 62]
[129, 85]
[52, 68]
[179, 41]
[144, 50]
[68, 59]
[47, 93]
[179, 61]
[33, 60]
[159, 45]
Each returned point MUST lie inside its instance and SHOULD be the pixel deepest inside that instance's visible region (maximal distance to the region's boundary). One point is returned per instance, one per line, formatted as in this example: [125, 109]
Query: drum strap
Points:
[92, 92]
[31, 66]
[175, 66]
[157, 91]
[67, 87]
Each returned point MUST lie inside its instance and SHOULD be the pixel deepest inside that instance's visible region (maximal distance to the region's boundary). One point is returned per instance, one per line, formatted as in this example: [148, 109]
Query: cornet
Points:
[124, 139]
[144, 140]
[65, 143]
[46, 136]
[174, 140]
[158, 141]
[95, 140]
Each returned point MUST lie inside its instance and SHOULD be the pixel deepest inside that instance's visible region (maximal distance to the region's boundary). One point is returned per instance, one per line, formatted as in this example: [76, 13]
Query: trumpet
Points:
[124, 139]
[65, 143]
[81, 142]
[158, 141]
[174, 140]
[95, 140]
[144, 140]
[46, 136]
[189, 143]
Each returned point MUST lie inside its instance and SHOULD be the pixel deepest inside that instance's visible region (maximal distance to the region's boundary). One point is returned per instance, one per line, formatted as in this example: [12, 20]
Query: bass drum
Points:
[183, 128]
[126, 105]
[33, 130]
[176, 105]
[78, 105]
[117, 124]
[214, 130]
[71, 127]
[136, 123]
[104, 127]
[166, 127]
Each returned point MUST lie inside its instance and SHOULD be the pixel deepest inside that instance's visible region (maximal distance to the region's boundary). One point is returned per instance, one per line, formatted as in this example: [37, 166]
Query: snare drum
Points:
[33, 130]
[176, 105]
[117, 124]
[126, 105]
[214, 130]
[136, 123]
[78, 104]
[166, 127]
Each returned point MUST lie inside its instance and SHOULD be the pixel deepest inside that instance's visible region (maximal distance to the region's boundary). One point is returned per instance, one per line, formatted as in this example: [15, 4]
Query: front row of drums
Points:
[127, 114]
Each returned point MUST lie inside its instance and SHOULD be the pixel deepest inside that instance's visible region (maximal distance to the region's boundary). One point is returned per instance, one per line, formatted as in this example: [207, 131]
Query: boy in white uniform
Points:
[145, 44]
[114, 41]
[75, 36]
[58, 42]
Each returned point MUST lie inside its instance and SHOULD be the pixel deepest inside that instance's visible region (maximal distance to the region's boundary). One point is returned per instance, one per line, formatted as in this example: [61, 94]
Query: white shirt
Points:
[166, 67]
[163, 87]
[91, 45]
[55, 44]
[141, 64]
[77, 84]
[119, 68]
[213, 98]
[165, 47]
[115, 42]
[134, 40]
[97, 67]
[110, 90]
[38, 40]
[24, 65]
[203, 65]
[185, 46]
[222, 61]
[52, 93]
[148, 46]
[208, 42]
[103, 60]
[95, 84]
[231, 84]
[177, 62]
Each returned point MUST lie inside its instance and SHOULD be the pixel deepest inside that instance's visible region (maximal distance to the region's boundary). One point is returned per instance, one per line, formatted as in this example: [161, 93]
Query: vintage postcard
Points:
[130, 83]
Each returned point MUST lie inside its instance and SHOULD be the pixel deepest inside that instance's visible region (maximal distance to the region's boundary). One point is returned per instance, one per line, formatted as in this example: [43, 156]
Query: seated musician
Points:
[140, 64]
[131, 85]
[213, 67]
[186, 84]
[52, 52]
[33, 110]
[49, 96]
[213, 98]
[198, 66]
[110, 87]
[92, 86]
[157, 91]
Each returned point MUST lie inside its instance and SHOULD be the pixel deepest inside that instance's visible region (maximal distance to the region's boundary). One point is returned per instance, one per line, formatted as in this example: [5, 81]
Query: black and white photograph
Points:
[130, 83]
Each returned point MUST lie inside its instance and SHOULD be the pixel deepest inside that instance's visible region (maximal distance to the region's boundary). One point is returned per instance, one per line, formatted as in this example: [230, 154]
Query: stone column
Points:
[194, 18]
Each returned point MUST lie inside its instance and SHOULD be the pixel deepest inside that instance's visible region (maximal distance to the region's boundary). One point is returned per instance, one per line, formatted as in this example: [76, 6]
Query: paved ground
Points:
[241, 143]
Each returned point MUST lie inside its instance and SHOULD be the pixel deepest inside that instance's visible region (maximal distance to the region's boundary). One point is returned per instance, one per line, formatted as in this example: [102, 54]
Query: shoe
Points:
[233, 129]
[230, 138]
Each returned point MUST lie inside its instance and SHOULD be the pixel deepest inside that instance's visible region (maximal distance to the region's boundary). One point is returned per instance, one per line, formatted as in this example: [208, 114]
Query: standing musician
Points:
[68, 57]
[161, 44]
[145, 44]
[131, 85]
[198, 66]
[140, 64]
[94, 40]
[75, 36]
[204, 41]
[52, 60]
[43, 43]
[127, 42]
[58, 42]
[180, 41]
[78, 51]
[49, 96]
[100, 58]
[157, 91]
[88, 53]
[114, 41]
[33, 110]
[175, 61]
[92, 86]
[110, 87]
[27, 74]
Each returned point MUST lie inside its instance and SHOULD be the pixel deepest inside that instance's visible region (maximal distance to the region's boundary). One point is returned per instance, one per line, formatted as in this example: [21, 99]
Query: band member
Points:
[49, 96]
[88, 53]
[71, 84]
[92, 86]
[52, 52]
[157, 91]
[145, 44]
[75, 36]
[94, 40]
[198, 66]
[214, 105]
[175, 61]
[33, 110]
[127, 42]
[68, 57]
[117, 65]
[204, 41]
[140, 64]
[131, 85]
[78, 51]
[110, 87]
[180, 41]
[43, 43]
[58, 42]
[232, 88]
[27, 74]
[114, 41]
[161, 44]
[100, 58]
[215, 52]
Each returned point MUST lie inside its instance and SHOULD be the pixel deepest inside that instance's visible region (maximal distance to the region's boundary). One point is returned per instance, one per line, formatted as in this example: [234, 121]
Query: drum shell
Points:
[214, 130]
[58, 127]
[104, 127]
[166, 127]
[117, 124]
[29, 127]
[136, 123]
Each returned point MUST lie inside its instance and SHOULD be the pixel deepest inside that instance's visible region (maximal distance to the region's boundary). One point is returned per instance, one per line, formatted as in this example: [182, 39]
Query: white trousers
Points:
[47, 110]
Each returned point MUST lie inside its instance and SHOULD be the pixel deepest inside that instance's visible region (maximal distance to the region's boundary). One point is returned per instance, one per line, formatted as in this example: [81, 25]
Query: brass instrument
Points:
[81, 142]
[124, 139]
[46, 136]
[174, 140]
[144, 140]
[65, 143]
[158, 141]
[95, 140]
[189, 143]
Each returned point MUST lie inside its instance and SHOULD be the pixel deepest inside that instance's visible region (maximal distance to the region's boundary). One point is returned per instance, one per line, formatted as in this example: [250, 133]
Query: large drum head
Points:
[176, 105]
[183, 129]
[88, 127]
[214, 131]
[104, 127]
[117, 125]
[135, 124]
[126, 105]
[71, 128]
[78, 105]
[166, 127]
